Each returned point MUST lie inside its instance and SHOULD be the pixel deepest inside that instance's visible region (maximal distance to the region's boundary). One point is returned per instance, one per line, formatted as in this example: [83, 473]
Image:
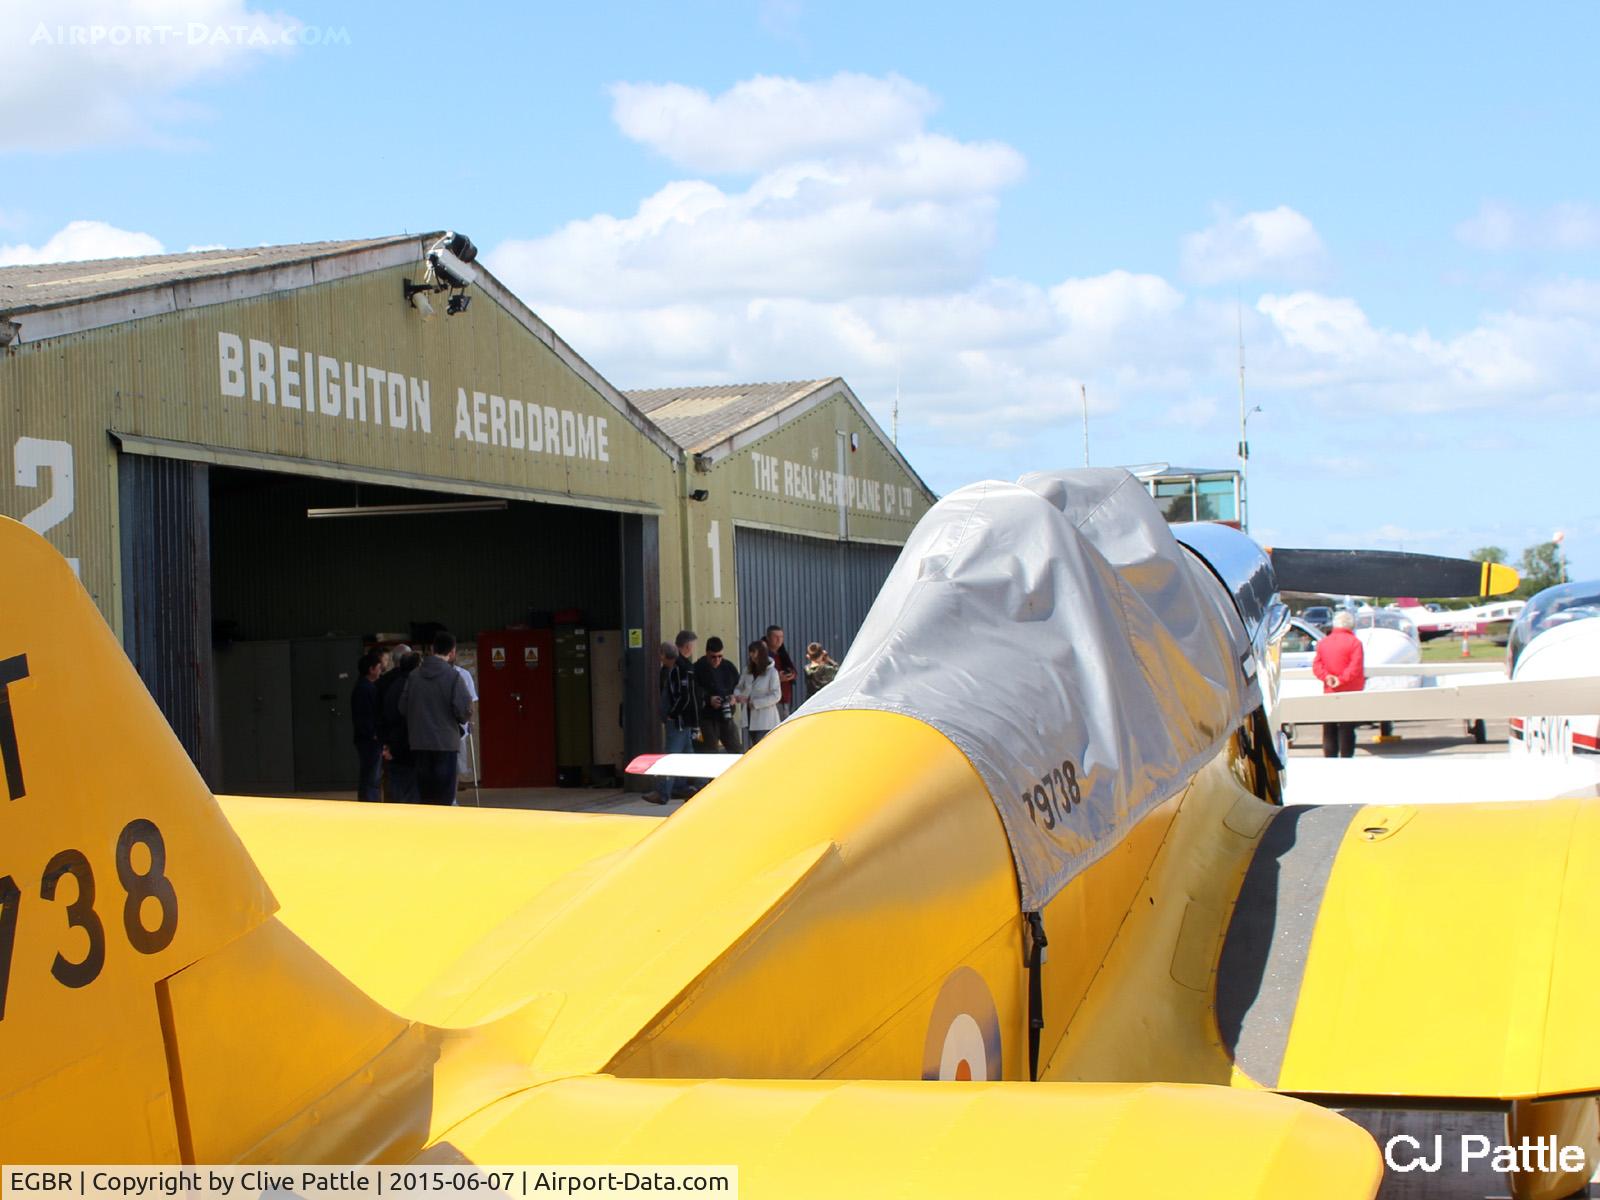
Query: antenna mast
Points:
[894, 419]
[1244, 445]
[1083, 390]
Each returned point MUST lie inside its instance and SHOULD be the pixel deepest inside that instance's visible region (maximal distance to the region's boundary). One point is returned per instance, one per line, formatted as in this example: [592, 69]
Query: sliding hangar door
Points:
[796, 508]
[818, 589]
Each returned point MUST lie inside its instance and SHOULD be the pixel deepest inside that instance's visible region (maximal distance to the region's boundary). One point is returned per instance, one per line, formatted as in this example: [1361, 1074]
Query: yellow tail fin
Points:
[117, 870]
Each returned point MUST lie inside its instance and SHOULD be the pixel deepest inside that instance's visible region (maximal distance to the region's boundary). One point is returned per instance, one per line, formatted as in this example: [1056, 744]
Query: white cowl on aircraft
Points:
[1558, 637]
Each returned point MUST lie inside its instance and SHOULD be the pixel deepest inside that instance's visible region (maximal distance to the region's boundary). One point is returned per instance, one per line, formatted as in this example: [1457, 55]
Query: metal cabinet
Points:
[516, 707]
[574, 707]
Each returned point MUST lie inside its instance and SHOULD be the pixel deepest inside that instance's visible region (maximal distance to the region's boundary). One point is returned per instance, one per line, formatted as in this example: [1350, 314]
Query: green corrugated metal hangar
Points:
[262, 460]
[805, 496]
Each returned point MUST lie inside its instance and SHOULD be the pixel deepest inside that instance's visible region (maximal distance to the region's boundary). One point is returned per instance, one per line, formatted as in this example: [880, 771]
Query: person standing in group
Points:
[685, 644]
[386, 685]
[786, 672]
[761, 688]
[402, 769]
[677, 707]
[364, 719]
[820, 668]
[714, 681]
[435, 705]
[1340, 663]
[391, 670]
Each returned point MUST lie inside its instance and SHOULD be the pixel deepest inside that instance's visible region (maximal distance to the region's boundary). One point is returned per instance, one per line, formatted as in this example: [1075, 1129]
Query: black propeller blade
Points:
[1387, 573]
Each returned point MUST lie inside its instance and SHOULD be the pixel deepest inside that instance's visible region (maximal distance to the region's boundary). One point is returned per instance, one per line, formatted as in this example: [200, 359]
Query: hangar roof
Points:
[58, 299]
[46, 285]
[715, 421]
[698, 418]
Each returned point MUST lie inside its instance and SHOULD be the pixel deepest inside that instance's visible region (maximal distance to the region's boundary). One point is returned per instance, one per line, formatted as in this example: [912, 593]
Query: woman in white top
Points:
[760, 688]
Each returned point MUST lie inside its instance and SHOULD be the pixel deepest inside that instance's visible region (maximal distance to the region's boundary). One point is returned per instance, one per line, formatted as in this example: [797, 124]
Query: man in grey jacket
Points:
[435, 705]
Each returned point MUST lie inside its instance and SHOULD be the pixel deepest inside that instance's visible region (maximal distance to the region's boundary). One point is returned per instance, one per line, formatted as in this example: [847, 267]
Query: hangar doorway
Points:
[818, 589]
[249, 595]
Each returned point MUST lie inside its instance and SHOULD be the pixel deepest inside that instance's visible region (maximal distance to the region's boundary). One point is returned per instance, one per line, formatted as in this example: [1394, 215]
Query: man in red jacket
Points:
[1341, 665]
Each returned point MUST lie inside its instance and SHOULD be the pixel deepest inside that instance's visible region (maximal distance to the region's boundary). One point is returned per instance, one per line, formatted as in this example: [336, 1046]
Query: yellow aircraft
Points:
[829, 968]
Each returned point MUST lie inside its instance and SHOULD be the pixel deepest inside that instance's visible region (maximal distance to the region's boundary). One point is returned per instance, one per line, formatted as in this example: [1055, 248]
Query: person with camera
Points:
[715, 680]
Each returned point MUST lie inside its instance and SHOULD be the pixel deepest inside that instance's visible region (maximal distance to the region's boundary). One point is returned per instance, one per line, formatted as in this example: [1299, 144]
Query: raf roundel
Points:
[963, 1040]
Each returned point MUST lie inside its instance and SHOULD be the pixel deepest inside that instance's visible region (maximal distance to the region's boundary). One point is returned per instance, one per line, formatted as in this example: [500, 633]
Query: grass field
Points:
[1448, 649]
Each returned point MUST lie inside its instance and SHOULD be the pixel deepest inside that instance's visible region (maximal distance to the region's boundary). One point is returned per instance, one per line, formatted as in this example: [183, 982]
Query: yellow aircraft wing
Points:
[1418, 951]
[935, 1140]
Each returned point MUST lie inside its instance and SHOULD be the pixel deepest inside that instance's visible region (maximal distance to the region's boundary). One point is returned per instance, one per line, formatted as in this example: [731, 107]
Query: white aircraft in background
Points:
[1433, 621]
[1496, 620]
[1553, 658]
[1388, 638]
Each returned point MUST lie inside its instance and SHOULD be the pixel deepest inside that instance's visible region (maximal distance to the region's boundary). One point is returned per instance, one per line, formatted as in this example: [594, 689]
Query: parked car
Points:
[1319, 616]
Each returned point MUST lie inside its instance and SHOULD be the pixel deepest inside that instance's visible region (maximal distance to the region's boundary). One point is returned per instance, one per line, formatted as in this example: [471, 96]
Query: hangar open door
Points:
[818, 589]
[249, 596]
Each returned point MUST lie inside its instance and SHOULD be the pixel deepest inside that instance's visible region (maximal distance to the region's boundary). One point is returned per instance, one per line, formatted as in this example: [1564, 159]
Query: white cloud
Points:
[1105, 304]
[1327, 348]
[1566, 297]
[80, 241]
[1278, 243]
[1500, 227]
[767, 120]
[868, 259]
[1326, 327]
[104, 72]
[794, 236]
[1002, 354]
[860, 200]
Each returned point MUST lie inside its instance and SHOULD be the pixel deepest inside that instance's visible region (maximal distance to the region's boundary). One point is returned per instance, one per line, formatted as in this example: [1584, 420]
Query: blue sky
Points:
[989, 206]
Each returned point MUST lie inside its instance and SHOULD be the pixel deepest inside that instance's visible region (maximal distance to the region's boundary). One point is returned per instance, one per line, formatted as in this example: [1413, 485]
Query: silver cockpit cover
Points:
[1055, 631]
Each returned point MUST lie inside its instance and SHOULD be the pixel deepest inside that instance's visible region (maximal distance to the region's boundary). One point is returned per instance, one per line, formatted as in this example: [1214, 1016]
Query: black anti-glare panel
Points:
[1268, 941]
